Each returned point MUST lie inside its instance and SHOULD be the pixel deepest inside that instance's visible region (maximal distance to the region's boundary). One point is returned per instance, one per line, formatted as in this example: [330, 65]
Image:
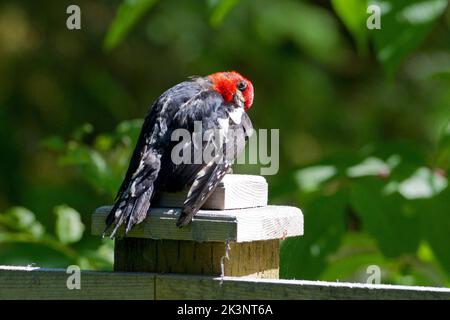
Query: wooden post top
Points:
[236, 211]
[236, 225]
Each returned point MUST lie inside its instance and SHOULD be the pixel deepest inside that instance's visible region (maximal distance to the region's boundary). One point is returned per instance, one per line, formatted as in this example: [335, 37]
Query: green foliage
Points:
[311, 28]
[305, 257]
[23, 221]
[220, 8]
[443, 155]
[394, 199]
[353, 15]
[69, 228]
[405, 24]
[128, 14]
[435, 223]
[103, 163]
[387, 218]
[19, 226]
[312, 65]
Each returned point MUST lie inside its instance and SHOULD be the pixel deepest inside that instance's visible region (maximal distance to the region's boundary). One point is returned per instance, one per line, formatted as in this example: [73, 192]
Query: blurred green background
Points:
[363, 118]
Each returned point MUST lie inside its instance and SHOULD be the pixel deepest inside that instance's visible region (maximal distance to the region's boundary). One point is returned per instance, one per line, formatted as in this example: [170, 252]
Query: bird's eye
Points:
[242, 85]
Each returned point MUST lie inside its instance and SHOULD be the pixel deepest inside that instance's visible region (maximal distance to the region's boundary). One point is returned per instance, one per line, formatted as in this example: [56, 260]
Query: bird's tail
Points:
[132, 205]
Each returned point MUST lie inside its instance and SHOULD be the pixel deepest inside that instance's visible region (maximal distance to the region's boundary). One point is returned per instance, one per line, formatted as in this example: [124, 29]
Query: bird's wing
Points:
[201, 110]
[135, 193]
[225, 130]
[206, 181]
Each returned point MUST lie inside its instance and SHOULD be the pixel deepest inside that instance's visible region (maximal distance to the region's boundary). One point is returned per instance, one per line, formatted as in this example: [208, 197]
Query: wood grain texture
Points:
[259, 259]
[238, 225]
[236, 191]
[49, 284]
[183, 287]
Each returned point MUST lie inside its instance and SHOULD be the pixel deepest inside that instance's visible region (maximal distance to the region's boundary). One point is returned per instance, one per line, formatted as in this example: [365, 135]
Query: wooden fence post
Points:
[235, 234]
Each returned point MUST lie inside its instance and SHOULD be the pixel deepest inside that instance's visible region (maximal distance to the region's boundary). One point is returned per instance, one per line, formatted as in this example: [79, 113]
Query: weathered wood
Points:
[50, 284]
[257, 259]
[236, 191]
[239, 225]
[183, 287]
[252, 234]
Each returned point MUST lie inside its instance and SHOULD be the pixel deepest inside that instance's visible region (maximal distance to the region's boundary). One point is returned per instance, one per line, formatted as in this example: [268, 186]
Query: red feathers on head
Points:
[226, 84]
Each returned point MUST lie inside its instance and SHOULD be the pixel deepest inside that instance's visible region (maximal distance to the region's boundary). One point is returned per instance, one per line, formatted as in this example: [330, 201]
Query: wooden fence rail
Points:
[37, 283]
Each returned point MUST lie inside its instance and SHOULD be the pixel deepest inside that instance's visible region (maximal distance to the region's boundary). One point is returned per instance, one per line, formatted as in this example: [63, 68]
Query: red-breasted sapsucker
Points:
[218, 103]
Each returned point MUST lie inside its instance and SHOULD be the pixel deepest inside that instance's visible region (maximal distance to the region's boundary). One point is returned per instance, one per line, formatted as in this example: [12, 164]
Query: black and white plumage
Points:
[218, 102]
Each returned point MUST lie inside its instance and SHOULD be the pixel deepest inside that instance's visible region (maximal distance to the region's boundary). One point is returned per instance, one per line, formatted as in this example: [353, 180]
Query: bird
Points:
[219, 103]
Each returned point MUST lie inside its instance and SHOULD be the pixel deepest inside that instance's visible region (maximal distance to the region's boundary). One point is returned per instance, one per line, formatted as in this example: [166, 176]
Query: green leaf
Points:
[21, 217]
[435, 222]
[444, 139]
[82, 131]
[305, 257]
[310, 27]
[130, 130]
[443, 160]
[104, 142]
[97, 163]
[353, 15]
[23, 220]
[69, 228]
[220, 9]
[404, 26]
[37, 230]
[128, 14]
[352, 268]
[390, 219]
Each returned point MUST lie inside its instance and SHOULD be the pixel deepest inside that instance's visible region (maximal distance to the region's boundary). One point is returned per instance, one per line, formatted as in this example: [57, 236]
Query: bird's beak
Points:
[239, 98]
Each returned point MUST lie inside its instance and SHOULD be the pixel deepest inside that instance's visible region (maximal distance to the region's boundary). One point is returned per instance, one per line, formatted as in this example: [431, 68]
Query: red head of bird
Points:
[232, 85]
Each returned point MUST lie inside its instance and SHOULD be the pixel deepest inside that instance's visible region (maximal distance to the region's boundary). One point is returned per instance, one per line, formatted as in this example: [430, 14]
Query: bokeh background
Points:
[363, 118]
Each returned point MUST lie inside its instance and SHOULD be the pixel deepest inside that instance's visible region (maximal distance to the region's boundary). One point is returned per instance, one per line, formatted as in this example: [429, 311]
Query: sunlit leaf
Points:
[97, 162]
[69, 227]
[309, 179]
[23, 222]
[37, 230]
[423, 12]
[373, 166]
[370, 166]
[21, 217]
[103, 142]
[424, 183]
[128, 14]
